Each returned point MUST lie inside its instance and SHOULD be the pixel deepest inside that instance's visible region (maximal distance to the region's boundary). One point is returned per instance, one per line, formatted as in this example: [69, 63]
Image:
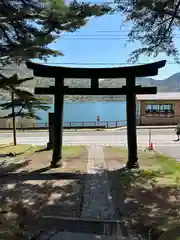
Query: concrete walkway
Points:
[97, 204]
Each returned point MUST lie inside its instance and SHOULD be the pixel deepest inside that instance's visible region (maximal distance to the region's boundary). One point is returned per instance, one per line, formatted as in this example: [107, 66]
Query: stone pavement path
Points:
[97, 198]
[97, 202]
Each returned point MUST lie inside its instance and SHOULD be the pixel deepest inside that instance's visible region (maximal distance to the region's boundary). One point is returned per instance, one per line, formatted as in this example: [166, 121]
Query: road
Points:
[158, 137]
[162, 139]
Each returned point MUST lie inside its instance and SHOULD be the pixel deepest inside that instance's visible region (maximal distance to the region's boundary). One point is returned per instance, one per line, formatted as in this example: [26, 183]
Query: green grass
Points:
[75, 159]
[75, 154]
[153, 164]
[155, 185]
[24, 148]
[20, 150]
[72, 151]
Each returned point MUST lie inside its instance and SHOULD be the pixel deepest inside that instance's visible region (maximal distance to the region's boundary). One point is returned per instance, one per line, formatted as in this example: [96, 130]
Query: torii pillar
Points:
[131, 121]
[58, 123]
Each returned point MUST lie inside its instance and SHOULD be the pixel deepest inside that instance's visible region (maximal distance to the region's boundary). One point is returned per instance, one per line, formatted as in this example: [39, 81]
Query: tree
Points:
[24, 108]
[23, 103]
[27, 27]
[153, 23]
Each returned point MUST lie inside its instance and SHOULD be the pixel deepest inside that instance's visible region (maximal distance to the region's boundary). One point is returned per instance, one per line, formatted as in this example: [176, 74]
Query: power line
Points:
[101, 36]
[105, 33]
[95, 64]
[112, 2]
[96, 35]
[102, 39]
[98, 38]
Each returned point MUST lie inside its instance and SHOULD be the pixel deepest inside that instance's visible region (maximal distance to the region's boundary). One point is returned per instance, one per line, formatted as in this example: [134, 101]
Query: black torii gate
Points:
[130, 90]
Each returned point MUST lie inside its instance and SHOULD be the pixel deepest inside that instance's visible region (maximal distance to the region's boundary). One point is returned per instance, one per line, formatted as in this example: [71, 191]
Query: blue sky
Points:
[103, 40]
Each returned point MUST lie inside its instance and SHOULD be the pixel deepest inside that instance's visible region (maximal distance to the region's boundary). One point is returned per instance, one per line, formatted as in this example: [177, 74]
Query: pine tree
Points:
[154, 23]
[27, 27]
[23, 104]
[24, 108]
[24, 100]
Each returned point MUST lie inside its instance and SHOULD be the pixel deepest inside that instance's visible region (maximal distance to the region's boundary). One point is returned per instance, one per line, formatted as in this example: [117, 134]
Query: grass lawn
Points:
[151, 193]
[74, 157]
[20, 149]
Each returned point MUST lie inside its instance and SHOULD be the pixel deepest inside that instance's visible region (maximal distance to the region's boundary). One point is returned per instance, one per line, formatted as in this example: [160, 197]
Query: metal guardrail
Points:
[107, 124]
[83, 124]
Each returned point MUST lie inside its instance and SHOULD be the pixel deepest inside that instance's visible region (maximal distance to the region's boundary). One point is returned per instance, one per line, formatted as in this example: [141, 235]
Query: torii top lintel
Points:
[41, 70]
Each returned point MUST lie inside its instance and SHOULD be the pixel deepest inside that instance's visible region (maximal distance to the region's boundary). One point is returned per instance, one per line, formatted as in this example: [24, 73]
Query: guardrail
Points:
[107, 124]
[83, 124]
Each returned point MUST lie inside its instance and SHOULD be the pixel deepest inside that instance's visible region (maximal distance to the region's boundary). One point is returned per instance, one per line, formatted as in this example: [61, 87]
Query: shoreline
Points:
[91, 100]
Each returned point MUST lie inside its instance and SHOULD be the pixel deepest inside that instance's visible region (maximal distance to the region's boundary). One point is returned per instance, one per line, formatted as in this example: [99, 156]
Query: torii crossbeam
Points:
[130, 90]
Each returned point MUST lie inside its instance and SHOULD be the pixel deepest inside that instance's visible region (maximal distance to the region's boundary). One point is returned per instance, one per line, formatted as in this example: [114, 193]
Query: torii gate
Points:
[130, 90]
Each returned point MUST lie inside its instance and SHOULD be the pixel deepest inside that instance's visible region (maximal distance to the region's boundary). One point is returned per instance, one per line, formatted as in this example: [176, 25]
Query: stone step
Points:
[79, 236]
[84, 225]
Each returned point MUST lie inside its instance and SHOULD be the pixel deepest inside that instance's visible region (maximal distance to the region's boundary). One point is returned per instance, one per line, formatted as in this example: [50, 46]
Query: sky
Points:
[104, 40]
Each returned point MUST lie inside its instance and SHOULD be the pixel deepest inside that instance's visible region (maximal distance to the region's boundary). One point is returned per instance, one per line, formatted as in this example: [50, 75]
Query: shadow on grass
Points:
[43, 150]
[135, 195]
[12, 167]
[10, 154]
[32, 195]
[144, 204]
[40, 175]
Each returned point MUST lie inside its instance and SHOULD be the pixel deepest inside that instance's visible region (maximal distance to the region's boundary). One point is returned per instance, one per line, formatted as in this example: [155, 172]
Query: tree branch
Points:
[174, 15]
[21, 109]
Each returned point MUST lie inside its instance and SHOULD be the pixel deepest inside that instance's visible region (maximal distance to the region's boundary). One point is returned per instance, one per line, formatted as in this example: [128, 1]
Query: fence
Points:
[83, 124]
[107, 124]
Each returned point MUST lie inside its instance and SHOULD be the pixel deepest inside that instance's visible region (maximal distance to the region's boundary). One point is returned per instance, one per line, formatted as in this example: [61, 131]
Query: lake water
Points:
[88, 111]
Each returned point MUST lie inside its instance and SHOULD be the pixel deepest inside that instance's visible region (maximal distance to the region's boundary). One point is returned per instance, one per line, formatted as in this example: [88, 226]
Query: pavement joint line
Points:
[84, 219]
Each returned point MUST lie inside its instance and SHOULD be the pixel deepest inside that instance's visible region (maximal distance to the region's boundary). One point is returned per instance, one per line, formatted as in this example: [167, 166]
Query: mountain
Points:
[171, 84]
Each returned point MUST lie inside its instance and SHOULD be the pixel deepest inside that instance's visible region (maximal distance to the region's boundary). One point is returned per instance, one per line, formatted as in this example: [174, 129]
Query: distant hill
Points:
[171, 84]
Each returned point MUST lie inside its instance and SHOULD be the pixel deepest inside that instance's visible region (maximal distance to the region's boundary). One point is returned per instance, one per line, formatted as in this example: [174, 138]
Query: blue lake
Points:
[88, 111]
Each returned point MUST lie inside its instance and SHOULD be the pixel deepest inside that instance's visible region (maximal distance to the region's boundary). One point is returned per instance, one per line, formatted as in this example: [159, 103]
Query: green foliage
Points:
[24, 108]
[25, 103]
[29, 108]
[28, 27]
[153, 24]
[7, 83]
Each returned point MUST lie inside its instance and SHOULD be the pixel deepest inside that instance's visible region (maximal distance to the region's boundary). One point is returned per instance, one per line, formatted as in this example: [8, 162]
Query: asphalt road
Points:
[159, 137]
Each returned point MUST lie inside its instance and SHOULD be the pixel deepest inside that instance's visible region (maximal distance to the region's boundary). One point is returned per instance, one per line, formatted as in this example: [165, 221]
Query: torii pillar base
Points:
[58, 165]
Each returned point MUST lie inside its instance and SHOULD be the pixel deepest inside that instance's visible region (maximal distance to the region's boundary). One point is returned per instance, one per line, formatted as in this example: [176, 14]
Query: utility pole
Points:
[13, 119]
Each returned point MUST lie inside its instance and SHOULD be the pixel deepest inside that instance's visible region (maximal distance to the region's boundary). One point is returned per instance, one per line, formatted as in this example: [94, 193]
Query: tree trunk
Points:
[13, 119]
